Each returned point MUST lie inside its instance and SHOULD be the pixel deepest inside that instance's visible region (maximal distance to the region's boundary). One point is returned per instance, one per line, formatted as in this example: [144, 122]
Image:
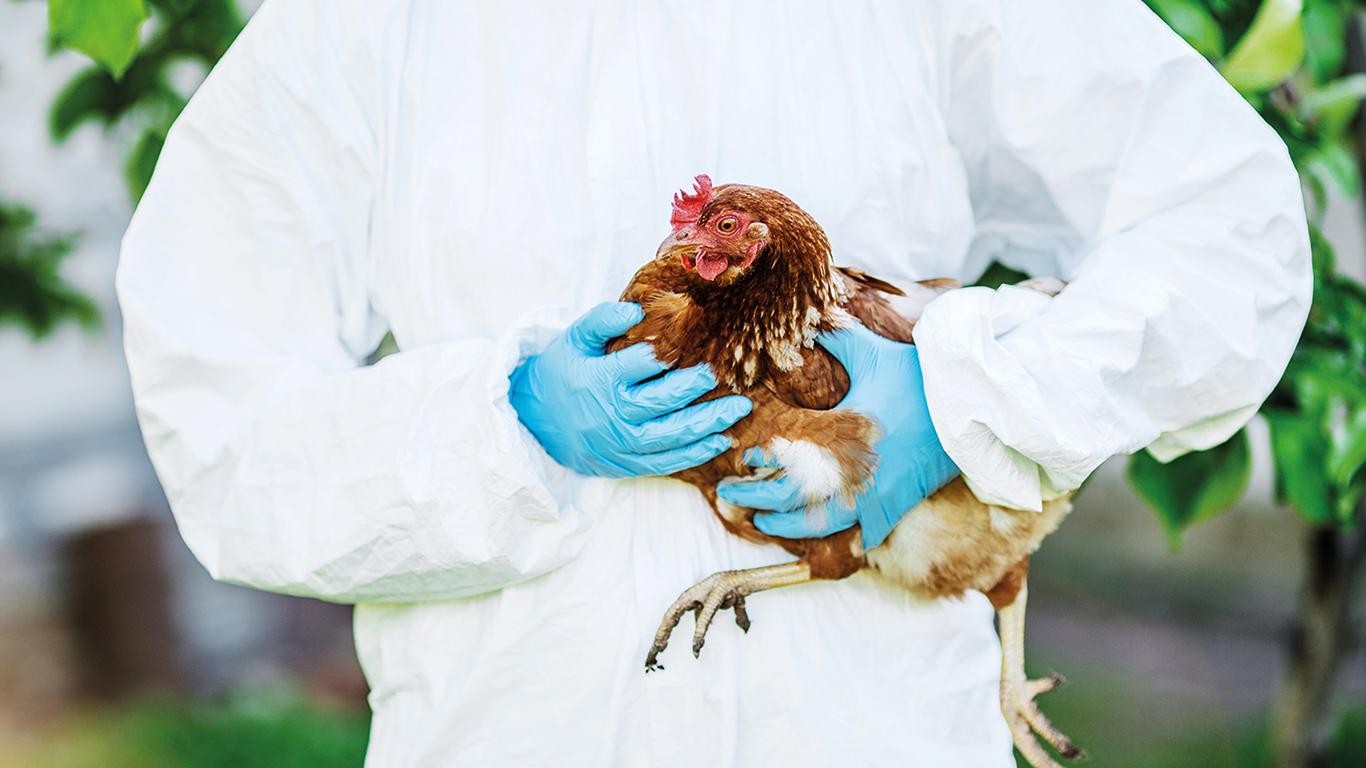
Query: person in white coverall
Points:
[474, 176]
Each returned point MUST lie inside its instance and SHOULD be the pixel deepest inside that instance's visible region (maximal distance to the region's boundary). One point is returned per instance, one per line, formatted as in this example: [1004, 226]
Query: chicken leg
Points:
[1018, 692]
[719, 591]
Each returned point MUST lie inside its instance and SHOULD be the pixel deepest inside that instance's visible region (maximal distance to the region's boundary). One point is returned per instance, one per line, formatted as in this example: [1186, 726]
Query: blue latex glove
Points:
[885, 384]
[591, 413]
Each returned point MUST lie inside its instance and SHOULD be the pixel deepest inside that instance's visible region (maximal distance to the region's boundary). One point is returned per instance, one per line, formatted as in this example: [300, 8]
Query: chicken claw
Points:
[1018, 692]
[719, 591]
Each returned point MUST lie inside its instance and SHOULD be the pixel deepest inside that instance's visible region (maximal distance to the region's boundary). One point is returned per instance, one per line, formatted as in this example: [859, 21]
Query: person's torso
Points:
[529, 151]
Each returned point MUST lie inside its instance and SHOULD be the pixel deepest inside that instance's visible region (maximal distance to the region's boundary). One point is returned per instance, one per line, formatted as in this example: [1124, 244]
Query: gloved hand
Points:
[590, 413]
[886, 385]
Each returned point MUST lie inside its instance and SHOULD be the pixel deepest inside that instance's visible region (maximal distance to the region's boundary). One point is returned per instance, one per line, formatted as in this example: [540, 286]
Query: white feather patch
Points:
[912, 305]
[809, 322]
[841, 318]
[735, 515]
[1049, 285]
[785, 356]
[815, 469]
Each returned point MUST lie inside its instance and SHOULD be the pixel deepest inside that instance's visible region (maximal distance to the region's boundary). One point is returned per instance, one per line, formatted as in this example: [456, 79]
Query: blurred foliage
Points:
[131, 81]
[1317, 413]
[1124, 724]
[277, 730]
[104, 30]
[1194, 487]
[998, 274]
[1269, 51]
[33, 294]
[1288, 59]
[387, 346]
[1347, 746]
[208, 737]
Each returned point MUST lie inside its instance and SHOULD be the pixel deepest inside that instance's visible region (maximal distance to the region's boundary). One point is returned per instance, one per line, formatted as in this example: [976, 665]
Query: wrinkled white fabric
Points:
[474, 175]
[1173, 211]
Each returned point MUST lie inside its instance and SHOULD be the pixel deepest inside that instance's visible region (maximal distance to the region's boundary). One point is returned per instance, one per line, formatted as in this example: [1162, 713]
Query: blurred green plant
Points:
[1290, 65]
[33, 294]
[998, 274]
[130, 82]
[104, 30]
[268, 729]
[132, 76]
[294, 735]
[1289, 59]
[1127, 722]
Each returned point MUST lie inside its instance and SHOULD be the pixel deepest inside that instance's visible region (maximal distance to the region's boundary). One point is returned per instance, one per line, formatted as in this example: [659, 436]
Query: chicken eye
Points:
[727, 225]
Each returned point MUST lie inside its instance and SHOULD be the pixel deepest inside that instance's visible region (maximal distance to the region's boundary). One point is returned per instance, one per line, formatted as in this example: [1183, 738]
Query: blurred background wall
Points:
[99, 599]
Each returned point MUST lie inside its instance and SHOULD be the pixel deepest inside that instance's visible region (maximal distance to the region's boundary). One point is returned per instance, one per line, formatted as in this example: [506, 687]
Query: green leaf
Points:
[387, 346]
[1334, 162]
[1349, 501]
[998, 274]
[1318, 192]
[1324, 377]
[1333, 105]
[137, 172]
[91, 95]
[1321, 252]
[1340, 310]
[206, 28]
[1193, 22]
[104, 30]
[33, 293]
[1300, 450]
[1347, 453]
[174, 9]
[1194, 487]
[1337, 322]
[1325, 38]
[1271, 50]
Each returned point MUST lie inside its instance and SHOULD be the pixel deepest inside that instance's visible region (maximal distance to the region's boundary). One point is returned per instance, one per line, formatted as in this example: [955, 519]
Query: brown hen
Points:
[745, 283]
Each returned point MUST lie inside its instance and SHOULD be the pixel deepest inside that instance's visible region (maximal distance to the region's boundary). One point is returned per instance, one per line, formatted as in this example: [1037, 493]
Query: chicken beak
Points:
[675, 242]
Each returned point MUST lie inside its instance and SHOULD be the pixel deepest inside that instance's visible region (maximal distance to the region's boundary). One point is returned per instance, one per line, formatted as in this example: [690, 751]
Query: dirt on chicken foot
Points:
[719, 591]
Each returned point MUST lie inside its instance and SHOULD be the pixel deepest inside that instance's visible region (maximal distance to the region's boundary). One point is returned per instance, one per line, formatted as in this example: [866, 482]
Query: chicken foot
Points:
[719, 591]
[1018, 692]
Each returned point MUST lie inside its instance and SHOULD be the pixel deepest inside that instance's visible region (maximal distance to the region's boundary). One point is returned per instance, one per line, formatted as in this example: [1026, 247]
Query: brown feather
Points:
[868, 281]
[755, 332]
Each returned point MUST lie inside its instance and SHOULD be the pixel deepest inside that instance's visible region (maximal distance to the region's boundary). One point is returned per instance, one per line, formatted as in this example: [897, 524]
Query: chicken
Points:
[745, 283]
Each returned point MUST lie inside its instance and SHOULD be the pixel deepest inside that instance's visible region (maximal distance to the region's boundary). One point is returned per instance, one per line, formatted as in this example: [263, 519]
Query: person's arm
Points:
[245, 282]
[1098, 147]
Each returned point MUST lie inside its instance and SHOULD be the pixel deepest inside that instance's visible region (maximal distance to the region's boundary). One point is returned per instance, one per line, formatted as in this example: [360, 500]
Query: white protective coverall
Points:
[474, 175]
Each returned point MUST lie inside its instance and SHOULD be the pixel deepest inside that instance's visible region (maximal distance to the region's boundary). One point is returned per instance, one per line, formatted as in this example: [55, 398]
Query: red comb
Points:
[688, 208]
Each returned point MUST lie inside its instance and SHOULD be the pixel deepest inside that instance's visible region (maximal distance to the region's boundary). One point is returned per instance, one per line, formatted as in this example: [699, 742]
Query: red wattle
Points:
[709, 265]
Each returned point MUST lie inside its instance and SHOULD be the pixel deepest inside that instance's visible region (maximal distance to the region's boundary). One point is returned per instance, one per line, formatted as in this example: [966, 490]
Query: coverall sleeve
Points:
[1100, 148]
[244, 282]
